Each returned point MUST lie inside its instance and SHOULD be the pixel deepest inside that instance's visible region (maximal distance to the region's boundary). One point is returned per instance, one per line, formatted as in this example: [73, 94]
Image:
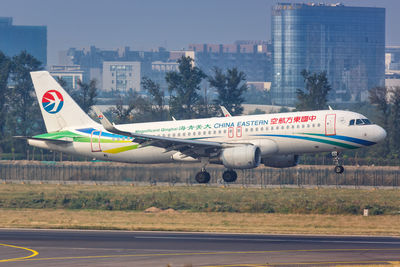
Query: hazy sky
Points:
[147, 24]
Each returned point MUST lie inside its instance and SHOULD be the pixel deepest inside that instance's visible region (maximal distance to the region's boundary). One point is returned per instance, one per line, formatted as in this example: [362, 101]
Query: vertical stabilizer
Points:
[58, 109]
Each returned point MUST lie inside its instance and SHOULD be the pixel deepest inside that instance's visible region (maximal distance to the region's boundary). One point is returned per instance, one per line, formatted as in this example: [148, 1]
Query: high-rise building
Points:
[121, 76]
[346, 42]
[251, 57]
[15, 39]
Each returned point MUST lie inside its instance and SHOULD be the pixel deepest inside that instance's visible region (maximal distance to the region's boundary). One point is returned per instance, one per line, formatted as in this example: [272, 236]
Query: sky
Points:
[149, 24]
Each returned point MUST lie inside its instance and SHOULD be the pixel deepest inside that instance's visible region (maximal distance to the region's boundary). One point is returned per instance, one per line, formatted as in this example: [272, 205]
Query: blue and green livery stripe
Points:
[330, 142]
[81, 138]
[346, 138]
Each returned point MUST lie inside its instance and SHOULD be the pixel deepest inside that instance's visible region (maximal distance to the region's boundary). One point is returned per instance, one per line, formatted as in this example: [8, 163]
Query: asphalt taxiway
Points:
[26, 247]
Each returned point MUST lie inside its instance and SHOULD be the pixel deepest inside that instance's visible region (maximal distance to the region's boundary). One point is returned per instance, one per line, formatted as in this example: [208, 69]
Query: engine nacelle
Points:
[281, 161]
[241, 157]
[267, 147]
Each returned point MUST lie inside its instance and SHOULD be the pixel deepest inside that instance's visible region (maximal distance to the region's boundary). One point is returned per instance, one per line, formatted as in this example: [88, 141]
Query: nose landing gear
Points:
[336, 160]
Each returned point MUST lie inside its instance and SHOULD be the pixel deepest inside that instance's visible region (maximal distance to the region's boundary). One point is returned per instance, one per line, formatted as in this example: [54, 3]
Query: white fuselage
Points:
[293, 133]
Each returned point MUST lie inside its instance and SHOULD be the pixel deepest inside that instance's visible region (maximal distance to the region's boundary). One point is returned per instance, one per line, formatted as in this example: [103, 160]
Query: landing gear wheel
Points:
[339, 169]
[229, 176]
[203, 177]
[336, 160]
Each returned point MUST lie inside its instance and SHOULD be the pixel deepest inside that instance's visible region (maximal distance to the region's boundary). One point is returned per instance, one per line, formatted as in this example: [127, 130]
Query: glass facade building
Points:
[15, 39]
[346, 42]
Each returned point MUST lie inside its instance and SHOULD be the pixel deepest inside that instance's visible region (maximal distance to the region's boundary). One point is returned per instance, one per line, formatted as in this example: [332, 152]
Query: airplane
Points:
[236, 142]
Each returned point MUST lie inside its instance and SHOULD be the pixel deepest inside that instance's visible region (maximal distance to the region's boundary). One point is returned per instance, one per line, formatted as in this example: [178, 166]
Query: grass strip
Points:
[202, 222]
[201, 199]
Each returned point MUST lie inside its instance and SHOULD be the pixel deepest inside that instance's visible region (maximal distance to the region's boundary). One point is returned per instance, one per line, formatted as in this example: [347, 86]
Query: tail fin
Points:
[58, 109]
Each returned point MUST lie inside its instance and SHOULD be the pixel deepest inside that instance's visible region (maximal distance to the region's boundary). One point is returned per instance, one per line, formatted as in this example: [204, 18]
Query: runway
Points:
[20, 247]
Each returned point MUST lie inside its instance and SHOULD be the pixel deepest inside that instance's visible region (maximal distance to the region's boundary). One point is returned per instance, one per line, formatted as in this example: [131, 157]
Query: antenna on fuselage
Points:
[330, 108]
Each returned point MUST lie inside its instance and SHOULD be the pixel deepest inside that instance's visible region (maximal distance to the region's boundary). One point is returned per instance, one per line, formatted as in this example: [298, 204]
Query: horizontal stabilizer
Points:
[54, 141]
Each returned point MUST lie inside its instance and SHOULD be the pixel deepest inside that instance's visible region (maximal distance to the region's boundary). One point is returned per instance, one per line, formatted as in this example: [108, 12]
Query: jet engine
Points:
[281, 161]
[241, 157]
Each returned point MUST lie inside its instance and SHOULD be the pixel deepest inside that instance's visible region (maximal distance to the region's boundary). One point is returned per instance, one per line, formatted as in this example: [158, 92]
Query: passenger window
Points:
[351, 122]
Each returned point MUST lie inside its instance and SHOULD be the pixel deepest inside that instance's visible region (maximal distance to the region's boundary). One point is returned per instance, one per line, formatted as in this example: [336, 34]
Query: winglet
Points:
[103, 120]
[225, 112]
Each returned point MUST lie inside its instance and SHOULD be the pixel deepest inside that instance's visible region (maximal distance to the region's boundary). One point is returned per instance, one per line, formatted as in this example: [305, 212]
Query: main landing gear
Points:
[229, 176]
[203, 176]
[336, 160]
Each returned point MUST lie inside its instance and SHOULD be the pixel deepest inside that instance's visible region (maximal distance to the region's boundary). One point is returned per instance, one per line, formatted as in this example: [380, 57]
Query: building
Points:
[15, 38]
[70, 74]
[346, 42]
[121, 76]
[251, 57]
[392, 58]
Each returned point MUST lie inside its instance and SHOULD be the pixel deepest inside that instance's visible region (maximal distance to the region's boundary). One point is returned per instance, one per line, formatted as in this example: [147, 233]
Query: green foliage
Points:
[204, 199]
[230, 88]
[394, 119]
[85, 95]
[379, 96]
[183, 87]
[314, 96]
[5, 66]
[156, 99]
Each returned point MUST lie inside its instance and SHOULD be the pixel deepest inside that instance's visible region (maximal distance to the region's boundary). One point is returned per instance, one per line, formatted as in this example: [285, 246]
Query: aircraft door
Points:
[330, 124]
[95, 141]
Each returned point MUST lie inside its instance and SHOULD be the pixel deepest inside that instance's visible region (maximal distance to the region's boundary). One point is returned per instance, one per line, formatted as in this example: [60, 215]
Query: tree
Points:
[394, 137]
[25, 105]
[230, 88]
[5, 65]
[157, 98]
[85, 95]
[183, 87]
[123, 112]
[379, 96]
[314, 96]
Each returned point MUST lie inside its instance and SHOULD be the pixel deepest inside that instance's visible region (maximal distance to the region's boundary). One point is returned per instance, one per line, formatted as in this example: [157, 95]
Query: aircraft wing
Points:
[192, 148]
[225, 111]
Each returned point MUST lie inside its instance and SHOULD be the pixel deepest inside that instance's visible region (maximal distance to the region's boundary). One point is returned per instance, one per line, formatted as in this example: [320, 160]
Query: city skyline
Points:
[145, 25]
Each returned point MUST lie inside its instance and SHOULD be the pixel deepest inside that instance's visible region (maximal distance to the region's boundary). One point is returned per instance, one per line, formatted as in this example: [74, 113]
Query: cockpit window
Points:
[360, 122]
[366, 121]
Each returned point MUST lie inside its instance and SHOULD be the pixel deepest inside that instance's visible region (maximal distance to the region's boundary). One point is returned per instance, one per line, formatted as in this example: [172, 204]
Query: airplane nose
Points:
[380, 134]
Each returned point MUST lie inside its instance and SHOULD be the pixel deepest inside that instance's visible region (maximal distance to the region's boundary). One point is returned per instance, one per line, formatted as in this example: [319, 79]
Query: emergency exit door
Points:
[95, 143]
[330, 124]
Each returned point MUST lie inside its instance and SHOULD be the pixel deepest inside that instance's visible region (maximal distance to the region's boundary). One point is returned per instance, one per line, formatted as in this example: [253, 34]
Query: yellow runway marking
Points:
[211, 253]
[34, 253]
